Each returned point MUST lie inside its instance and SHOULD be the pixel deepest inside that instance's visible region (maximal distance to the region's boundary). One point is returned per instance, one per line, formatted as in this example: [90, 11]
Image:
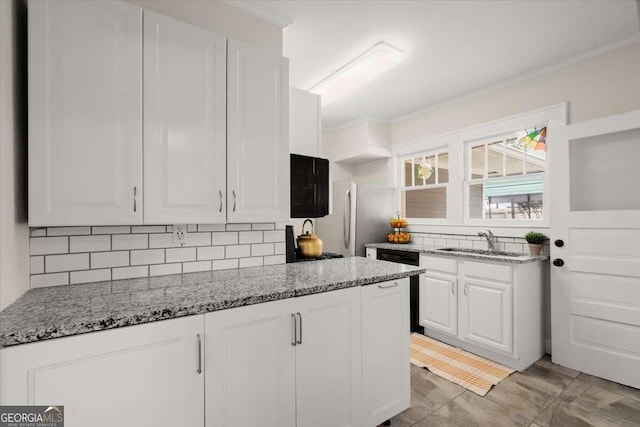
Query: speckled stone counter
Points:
[60, 311]
[433, 250]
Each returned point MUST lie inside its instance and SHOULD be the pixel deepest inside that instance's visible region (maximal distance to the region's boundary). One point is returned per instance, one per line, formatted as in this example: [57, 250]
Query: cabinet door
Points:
[257, 135]
[385, 351]
[486, 314]
[439, 303]
[328, 359]
[85, 113]
[371, 253]
[143, 375]
[250, 366]
[184, 122]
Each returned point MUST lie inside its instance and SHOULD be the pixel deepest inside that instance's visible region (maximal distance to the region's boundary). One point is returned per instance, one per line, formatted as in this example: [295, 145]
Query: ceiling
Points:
[452, 47]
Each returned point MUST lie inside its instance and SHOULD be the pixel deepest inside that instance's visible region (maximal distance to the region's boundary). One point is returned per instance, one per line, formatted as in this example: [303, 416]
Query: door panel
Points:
[258, 135]
[85, 113]
[595, 309]
[439, 303]
[140, 376]
[488, 314]
[328, 361]
[185, 129]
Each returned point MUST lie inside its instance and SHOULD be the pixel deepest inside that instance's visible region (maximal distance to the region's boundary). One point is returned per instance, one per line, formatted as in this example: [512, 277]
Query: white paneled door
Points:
[85, 113]
[595, 225]
[257, 135]
[184, 122]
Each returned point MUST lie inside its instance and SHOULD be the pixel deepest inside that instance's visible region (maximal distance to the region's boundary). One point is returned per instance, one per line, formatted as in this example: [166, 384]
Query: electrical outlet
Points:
[180, 233]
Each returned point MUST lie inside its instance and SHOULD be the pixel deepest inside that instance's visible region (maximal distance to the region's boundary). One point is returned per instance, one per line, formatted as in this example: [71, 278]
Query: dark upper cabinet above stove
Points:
[309, 186]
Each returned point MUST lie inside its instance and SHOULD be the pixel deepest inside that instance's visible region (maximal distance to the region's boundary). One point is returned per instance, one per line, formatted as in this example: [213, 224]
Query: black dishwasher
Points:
[410, 258]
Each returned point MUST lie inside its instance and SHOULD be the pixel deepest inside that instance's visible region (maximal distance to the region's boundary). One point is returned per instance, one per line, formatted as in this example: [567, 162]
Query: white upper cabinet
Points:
[257, 135]
[85, 113]
[184, 123]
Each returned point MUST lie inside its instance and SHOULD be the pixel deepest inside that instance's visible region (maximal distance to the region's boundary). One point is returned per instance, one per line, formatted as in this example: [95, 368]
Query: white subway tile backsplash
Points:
[70, 255]
[274, 236]
[224, 238]
[164, 269]
[238, 251]
[211, 227]
[198, 239]
[37, 264]
[251, 262]
[250, 237]
[87, 276]
[210, 252]
[262, 249]
[38, 232]
[266, 226]
[125, 229]
[180, 255]
[279, 248]
[130, 241]
[71, 262]
[89, 243]
[147, 256]
[57, 279]
[514, 247]
[162, 241]
[68, 231]
[149, 229]
[109, 259]
[224, 264]
[238, 227]
[191, 267]
[49, 245]
[274, 259]
[130, 272]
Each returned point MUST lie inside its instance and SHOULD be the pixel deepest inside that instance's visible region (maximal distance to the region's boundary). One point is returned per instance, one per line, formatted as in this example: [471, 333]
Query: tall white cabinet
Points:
[257, 134]
[214, 114]
[85, 113]
[184, 123]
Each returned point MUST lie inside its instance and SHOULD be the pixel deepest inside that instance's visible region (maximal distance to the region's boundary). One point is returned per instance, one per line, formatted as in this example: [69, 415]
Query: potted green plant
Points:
[535, 241]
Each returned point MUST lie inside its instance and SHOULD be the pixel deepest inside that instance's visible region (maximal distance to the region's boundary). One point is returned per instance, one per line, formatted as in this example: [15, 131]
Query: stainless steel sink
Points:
[482, 252]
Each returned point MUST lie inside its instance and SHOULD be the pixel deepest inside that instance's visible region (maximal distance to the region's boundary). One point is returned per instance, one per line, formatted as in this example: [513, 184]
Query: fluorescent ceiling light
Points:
[357, 72]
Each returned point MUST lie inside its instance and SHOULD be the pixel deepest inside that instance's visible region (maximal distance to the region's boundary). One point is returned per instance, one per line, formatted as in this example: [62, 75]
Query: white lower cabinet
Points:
[138, 376]
[489, 308]
[385, 351]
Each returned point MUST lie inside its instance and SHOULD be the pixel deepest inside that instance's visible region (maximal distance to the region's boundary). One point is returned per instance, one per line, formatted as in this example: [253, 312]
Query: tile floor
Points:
[542, 396]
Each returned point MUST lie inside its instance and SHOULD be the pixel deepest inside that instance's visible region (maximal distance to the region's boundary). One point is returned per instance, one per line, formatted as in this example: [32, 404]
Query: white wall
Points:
[14, 233]
[600, 86]
[219, 18]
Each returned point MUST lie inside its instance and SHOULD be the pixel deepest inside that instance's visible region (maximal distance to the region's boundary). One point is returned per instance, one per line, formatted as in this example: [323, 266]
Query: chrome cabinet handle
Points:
[220, 195]
[315, 194]
[294, 329]
[466, 285]
[453, 287]
[234, 200]
[299, 341]
[346, 218]
[389, 286]
[199, 341]
[135, 199]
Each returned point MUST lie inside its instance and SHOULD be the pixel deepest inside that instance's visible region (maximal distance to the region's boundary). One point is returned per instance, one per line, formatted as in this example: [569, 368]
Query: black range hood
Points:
[309, 186]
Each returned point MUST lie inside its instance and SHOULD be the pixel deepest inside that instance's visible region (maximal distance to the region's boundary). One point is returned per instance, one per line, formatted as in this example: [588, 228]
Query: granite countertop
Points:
[60, 311]
[513, 258]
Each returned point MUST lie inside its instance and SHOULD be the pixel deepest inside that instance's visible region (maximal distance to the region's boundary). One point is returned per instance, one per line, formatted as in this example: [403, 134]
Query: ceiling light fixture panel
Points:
[363, 69]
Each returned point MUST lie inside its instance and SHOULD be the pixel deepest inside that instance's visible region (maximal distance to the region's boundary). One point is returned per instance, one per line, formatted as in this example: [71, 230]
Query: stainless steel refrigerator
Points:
[360, 214]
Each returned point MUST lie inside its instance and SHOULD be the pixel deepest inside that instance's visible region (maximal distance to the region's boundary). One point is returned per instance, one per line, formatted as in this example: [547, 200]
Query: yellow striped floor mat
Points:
[470, 371]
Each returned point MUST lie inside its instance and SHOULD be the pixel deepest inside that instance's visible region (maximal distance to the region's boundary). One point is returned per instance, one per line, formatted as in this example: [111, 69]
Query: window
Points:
[505, 179]
[424, 180]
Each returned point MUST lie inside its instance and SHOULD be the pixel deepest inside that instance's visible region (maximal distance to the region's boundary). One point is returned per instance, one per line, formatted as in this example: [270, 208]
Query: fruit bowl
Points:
[398, 223]
[399, 237]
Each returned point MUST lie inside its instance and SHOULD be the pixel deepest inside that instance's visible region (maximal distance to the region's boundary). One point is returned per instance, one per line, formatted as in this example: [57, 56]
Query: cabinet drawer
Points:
[484, 270]
[445, 265]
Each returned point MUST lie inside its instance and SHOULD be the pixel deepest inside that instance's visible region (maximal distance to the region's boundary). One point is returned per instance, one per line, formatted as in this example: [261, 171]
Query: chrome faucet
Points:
[491, 239]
